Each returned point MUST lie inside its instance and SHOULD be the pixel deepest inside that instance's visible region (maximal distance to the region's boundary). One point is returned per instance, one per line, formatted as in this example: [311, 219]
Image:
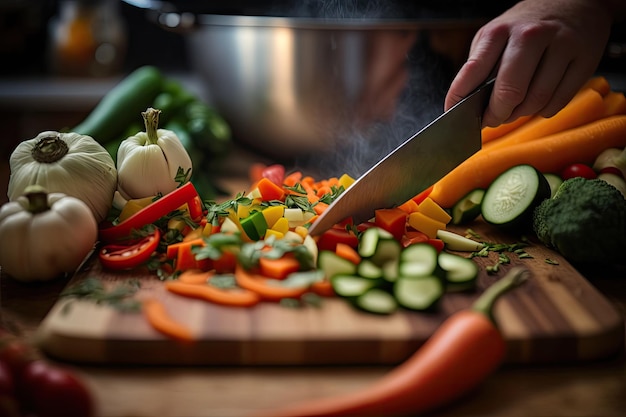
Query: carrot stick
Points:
[195, 276]
[159, 319]
[348, 252]
[549, 154]
[614, 103]
[237, 297]
[598, 83]
[491, 133]
[461, 353]
[262, 286]
[584, 108]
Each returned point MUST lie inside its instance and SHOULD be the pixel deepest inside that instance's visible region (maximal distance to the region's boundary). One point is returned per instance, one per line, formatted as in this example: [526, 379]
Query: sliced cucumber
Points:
[351, 286]
[419, 294]
[460, 273]
[554, 181]
[371, 239]
[368, 269]
[468, 207]
[376, 301]
[418, 260]
[511, 198]
[388, 250]
[333, 264]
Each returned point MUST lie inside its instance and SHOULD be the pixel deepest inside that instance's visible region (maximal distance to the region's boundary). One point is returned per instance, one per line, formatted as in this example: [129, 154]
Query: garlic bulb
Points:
[151, 162]
[68, 163]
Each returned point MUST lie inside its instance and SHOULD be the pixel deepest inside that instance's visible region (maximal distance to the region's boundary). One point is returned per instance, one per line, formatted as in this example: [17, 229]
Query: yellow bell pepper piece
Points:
[281, 225]
[429, 208]
[272, 214]
[423, 223]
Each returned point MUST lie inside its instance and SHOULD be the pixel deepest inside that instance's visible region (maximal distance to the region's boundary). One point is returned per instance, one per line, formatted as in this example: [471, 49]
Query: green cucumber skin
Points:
[523, 221]
[122, 105]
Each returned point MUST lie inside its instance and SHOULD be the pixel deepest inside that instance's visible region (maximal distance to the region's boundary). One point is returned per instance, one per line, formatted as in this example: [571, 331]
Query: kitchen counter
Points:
[577, 389]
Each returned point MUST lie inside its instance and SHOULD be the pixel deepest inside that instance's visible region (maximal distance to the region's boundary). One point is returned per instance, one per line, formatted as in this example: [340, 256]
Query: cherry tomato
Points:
[116, 256]
[51, 391]
[578, 170]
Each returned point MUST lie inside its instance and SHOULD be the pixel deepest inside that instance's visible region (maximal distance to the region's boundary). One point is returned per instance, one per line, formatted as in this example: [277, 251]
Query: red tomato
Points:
[578, 170]
[116, 256]
[51, 391]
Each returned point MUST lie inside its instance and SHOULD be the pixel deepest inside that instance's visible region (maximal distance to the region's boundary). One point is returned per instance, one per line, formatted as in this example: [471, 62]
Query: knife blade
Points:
[415, 165]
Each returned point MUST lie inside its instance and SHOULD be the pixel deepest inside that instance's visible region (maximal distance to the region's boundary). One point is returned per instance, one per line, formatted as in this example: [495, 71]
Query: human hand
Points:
[543, 52]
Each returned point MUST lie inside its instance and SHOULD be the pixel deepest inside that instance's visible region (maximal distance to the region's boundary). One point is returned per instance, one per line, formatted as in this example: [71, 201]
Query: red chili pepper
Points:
[184, 194]
[116, 256]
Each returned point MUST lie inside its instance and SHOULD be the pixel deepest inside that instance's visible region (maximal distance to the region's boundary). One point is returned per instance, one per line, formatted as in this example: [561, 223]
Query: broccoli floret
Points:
[585, 221]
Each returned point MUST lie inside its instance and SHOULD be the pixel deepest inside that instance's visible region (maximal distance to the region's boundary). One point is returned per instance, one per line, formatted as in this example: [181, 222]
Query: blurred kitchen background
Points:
[59, 57]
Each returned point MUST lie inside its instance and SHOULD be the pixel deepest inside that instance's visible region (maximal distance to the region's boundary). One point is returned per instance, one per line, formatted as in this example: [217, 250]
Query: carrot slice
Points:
[160, 320]
[348, 252]
[323, 288]
[195, 276]
[237, 297]
[265, 288]
[278, 268]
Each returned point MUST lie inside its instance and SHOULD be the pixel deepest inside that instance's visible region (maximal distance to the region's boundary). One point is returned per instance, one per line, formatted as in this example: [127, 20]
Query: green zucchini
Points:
[418, 293]
[468, 207]
[122, 105]
[460, 274]
[369, 269]
[351, 286]
[370, 241]
[554, 181]
[377, 301]
[418, 260]
[511, 198]
[333, 264]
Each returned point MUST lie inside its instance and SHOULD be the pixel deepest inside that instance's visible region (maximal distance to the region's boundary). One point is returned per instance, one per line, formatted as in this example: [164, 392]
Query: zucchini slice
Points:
[351, 286]
[376, 301]
[511, 198]
[333, 264]
[368, 269]
[468, 207]
[418, 260]
[554, 181]
[460, 273]
[418, 294]
[371, 239]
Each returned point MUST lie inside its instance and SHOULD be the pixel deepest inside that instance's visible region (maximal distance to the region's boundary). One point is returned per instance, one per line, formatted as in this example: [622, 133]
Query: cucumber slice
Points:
[418, 260]
[388, 250]
[333, 264]
[554, 181]
[370, 239]
[460, 273]
[418, 294]
[368, 269]
[376, 301]
[511, 198]
[468, 207]
[350, 286]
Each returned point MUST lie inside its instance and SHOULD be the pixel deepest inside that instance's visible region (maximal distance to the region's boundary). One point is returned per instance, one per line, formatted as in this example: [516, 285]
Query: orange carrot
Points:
[598, 83]
[392, 220]
[461, 353]
[409, 206]
[195, 276]
[348, 252]
[269, 190]
[585, 107]
[278, 268]
[320, 207]
[236, 297]
[614, 103]
[491, 133]
[549, 154]
[160, 320]
[292, 179]
[323, 288]
[262, 286]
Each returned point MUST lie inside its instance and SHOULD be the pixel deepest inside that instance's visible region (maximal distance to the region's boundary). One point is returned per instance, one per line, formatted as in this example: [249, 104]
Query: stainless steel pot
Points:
[293, 86]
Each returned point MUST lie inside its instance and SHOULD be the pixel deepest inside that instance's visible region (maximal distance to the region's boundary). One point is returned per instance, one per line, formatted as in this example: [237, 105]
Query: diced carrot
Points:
[267, 291]
[320, 207]
[269, 190]
[236, 297]
[173, 248]
[348, 252]
[392, 220]
[409, 206]
[323, 190]
[278, 268]
[156, 314]
[323, 288]
[292, 179]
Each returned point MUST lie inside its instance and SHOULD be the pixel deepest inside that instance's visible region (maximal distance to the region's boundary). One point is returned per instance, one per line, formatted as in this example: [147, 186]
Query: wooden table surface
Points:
[588, 389]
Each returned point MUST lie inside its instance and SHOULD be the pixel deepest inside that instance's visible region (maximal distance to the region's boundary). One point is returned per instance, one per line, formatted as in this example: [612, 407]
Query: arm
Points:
[544, 51]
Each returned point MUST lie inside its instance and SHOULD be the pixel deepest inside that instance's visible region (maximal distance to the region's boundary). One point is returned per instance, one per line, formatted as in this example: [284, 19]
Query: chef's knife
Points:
[413, 166]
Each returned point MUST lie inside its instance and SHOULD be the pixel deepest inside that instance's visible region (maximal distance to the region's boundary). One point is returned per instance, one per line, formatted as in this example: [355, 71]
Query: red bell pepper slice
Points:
[186, 193]
[115, 256]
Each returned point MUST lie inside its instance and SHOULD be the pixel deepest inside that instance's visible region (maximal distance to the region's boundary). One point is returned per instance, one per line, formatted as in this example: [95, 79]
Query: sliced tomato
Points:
[117, 256]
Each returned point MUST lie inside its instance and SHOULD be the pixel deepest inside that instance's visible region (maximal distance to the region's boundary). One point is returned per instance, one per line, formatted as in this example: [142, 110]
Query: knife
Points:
[415, 165]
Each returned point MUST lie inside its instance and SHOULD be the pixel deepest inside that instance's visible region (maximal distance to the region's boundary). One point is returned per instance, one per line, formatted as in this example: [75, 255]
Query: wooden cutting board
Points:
[557, 316]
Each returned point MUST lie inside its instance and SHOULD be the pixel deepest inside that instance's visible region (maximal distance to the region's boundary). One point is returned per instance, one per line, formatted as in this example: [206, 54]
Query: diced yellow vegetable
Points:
[272, 214]
[295, 217]
[272, 232]
[281, 225]
[293, 237]
[419, 221]
[302, 231]
[229, 226]
[133, 206]
[430, 208]
[207, 230]
[176, 224]
[346, 181]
